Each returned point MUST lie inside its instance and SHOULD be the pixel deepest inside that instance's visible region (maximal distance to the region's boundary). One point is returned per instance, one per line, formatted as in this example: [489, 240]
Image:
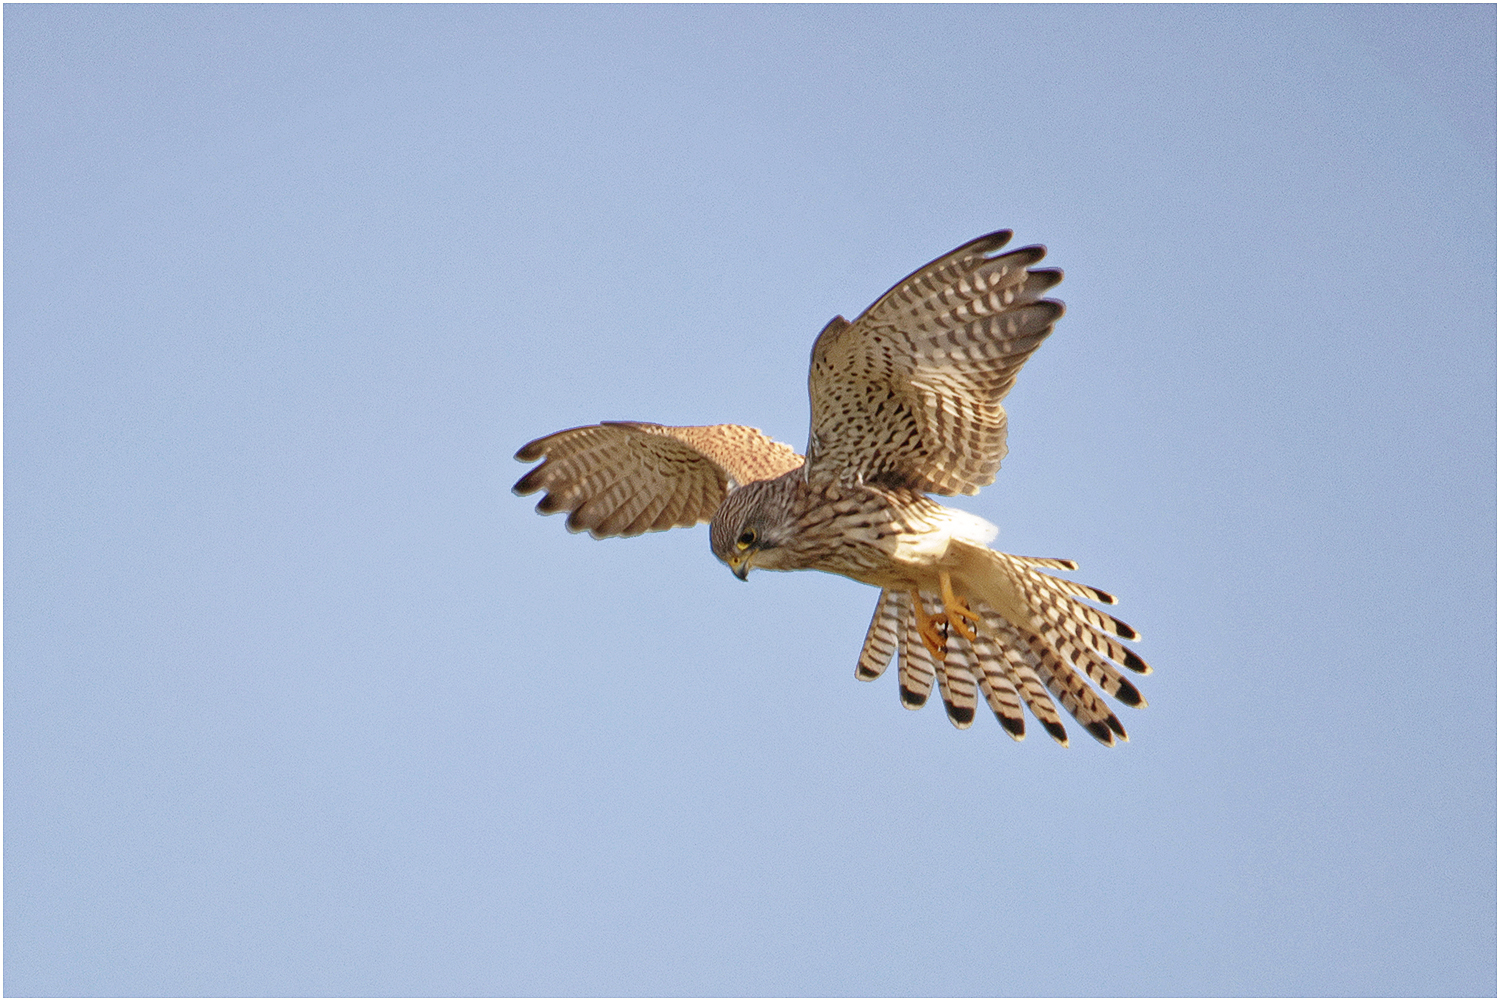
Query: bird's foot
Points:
[956, 609]
[935, 640]
[934, 628]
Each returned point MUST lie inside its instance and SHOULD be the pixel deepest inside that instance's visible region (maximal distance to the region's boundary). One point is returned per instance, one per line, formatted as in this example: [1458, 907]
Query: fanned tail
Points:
[1036, 660]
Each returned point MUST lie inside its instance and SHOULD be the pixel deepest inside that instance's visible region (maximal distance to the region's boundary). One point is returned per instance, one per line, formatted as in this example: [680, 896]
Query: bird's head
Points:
[751, 527]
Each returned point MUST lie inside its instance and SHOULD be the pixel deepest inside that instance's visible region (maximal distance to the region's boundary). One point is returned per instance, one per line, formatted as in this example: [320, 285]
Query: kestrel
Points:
[906, 402]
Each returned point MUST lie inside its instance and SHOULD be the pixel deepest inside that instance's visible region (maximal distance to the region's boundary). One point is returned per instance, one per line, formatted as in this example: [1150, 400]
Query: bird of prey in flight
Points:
[906, 403]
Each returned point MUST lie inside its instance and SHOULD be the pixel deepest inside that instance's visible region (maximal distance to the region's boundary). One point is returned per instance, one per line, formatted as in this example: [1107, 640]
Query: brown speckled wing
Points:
[625, 478]
[910, 393]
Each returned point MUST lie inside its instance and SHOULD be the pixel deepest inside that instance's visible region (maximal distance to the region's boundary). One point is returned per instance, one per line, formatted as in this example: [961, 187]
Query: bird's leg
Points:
[956, 609]
[927, 627]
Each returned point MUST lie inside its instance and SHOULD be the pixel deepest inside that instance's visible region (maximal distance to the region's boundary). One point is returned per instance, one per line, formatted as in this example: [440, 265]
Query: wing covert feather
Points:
[622, 478]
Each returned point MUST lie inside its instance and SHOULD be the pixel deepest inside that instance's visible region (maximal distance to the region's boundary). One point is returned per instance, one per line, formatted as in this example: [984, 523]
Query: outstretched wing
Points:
[625, 478]
[909, 393]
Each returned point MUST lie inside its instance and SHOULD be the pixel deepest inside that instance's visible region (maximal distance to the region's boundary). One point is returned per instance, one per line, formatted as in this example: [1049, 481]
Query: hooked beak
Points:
[741, 566]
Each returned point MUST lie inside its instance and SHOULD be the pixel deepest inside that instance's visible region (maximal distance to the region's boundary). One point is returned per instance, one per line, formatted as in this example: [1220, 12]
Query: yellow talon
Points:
[956, 609]
[927, 627]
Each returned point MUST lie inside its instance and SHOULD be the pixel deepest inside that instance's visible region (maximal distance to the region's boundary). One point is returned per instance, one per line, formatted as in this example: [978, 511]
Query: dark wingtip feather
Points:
[990, 242]
[1135, 663]
[1016, 726]
[550, 504]
[527, 484]
[1028, 255]
[1116, 726]
[1123, 630]
[864, 673]
[911, 699]
[1044, 278]
[531, 451]
[1056, 730]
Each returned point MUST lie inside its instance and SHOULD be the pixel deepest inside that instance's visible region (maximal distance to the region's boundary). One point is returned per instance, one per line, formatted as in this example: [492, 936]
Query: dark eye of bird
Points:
[747, 537]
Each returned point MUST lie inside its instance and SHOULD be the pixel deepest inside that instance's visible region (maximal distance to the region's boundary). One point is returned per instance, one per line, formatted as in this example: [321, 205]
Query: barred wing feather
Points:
[910, 393]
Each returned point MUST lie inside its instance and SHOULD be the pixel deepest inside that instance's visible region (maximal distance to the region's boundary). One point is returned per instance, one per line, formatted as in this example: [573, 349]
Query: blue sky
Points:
[299, 699]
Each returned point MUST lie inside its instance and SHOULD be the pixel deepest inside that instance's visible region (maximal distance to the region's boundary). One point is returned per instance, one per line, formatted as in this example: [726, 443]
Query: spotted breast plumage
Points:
[906, 402]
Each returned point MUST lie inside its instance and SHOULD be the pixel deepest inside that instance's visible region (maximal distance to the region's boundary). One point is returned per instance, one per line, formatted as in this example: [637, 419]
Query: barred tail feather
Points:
[959, 690]
[1081, 701]
[1043, 561]
[1104, 674]
[955, 678]
[1033, 580]
[886, 625]
[1018, 660]
[916, 672]
[1001, 695]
